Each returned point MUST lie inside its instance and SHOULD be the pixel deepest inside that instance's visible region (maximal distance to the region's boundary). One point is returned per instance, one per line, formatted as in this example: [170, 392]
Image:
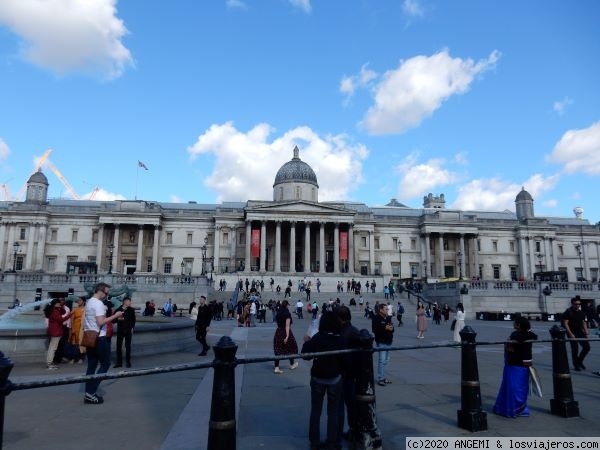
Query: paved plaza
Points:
[170, 411]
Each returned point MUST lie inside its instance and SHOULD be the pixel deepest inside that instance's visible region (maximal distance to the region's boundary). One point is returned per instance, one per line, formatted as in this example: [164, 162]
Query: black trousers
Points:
[120, 338]
[577, 356]
[201, 337]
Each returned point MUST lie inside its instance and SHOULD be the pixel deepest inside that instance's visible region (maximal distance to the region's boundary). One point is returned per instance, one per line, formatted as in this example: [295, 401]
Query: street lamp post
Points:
[459, 254]
[539, 257]
[16, 247]
[111, 248]
[203, 248]
[182, 267]
[425, 268]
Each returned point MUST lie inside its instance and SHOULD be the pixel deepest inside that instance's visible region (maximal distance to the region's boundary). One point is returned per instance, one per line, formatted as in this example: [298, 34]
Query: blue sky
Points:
[384, 98]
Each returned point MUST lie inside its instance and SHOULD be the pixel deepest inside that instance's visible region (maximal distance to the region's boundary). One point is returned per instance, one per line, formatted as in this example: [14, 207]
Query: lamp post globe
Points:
[111, 248]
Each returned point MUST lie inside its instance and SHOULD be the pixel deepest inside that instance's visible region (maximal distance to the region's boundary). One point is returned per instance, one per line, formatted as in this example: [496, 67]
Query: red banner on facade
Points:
[343, 245]
[255, 243]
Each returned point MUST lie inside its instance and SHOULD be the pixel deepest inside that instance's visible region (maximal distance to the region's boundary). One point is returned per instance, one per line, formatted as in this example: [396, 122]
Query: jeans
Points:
[384, 358]
[585, 349]
[334, 398]
[99, 354]
[52, 346]
[348, 404]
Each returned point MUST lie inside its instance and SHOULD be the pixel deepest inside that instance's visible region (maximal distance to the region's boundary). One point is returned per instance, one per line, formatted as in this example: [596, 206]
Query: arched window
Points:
[314, 195]
[281, 193]
[298, 192]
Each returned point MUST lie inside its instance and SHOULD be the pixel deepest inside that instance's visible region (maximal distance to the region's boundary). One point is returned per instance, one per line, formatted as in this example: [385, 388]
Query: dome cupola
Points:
[524, 205]
[37, 188]
[296, 180]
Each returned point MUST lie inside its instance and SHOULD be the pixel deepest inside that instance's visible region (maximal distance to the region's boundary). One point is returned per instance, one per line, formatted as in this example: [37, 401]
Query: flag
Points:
[142, 165]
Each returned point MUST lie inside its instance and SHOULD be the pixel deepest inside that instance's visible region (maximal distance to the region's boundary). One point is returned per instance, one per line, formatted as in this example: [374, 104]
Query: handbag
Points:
[90, 337]
[453, 325]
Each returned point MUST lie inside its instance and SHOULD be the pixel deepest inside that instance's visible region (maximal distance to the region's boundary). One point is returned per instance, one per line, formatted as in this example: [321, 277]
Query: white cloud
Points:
[103, 195]
[560, 106]
[4, 150]
[494, 194]
[412, 92]
[236, 4]
[579, 150]
[348, 85]
[552, 203]
[245, 163]
[304, 5]
[65, 35]
[175, 199]
[461, 158]
[418, 179]
[413, 8]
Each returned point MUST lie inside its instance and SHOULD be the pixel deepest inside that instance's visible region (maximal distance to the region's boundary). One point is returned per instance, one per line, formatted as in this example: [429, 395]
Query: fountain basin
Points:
[152, 335]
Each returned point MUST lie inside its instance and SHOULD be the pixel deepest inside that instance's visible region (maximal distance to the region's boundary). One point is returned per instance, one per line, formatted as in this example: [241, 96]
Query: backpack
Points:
[309, 307]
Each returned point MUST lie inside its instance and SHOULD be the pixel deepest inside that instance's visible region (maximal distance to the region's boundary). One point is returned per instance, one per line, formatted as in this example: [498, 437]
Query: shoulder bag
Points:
[90, 337]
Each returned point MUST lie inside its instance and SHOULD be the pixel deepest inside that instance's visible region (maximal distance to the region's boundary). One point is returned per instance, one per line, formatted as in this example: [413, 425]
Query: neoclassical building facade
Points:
[292, 234]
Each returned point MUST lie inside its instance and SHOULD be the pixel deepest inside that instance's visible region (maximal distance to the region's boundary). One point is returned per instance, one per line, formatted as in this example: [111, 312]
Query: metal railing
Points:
[222, 424]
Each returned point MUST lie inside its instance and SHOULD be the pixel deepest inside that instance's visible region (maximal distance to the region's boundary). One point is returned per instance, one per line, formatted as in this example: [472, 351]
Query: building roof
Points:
[296, 170]
[38, 177]
[524, 196]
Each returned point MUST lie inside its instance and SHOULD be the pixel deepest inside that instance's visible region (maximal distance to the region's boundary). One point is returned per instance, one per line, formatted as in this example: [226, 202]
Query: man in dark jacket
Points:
[574, 323]
[326, 377]
[202, 324]
[383, 329]
[125, 326]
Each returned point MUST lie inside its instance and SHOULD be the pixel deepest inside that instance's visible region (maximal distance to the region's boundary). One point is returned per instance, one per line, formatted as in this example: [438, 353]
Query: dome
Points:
[38, 177]
[296, 171]
[524, 196]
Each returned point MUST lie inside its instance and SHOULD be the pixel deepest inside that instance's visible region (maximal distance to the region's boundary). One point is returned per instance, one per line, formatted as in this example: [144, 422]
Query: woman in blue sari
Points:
[512, 397]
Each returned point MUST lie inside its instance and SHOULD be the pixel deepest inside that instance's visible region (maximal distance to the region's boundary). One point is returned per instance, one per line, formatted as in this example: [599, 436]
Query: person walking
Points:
[351, 339]
[383, 330]
[512, 396]
[95, 319]
[574, 323]
[202, 323]
[399, 313]
[421, 321]
[77, 328]
[55, 331]
[326, 378]
[125, 326]
[460, 321]
[284, 342]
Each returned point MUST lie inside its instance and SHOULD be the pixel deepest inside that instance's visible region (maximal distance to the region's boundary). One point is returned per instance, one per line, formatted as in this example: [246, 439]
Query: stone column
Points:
[336, 248]
[351, 269]
[321, 247]
[217, 249]
[115, 262]
[372, 251]
[247, 266]
[39, 263]
[440, 270]
[586, 260]
[8, 265]
[522, 257]
[140, 247]
[475, 256]
[99, 258]
[155, 249]
[263, 246]
[531, 260]
[278, 246]
[292, 247]
[29, 259]
[427, 268]
[2, 238]
[463, 257]
[554, 254]
[307, 247]
[547, 258]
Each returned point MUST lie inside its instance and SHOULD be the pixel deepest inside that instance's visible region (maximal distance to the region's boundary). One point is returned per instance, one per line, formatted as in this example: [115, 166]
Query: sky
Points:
[385, 99]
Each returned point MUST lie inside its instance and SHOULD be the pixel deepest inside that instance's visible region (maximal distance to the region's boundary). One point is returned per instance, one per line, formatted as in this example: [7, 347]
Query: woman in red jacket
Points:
[55, 331]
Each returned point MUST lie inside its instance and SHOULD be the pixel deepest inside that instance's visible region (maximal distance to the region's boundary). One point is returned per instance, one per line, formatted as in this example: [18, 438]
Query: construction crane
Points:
[38, 166]
[5, 191]
[62, 179]
[94, 193]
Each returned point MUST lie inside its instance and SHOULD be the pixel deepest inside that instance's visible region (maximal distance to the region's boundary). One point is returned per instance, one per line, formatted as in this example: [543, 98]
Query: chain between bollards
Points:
[470, 417]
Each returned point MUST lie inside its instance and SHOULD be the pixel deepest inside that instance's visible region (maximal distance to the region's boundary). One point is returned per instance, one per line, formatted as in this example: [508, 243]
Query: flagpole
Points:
[137, 173]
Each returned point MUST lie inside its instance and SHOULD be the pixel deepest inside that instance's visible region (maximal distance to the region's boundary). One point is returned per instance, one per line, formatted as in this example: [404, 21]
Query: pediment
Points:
[297, 207]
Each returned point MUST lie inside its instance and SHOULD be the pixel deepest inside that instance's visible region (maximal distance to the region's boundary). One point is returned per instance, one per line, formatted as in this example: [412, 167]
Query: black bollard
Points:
[563, 403]
[6, 366]
[367, 434]
[222, 426]
[470, 417]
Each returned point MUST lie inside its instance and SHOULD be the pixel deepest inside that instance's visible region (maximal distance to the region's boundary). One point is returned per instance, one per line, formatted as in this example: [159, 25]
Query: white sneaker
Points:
[293, 366]
[277, 370]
